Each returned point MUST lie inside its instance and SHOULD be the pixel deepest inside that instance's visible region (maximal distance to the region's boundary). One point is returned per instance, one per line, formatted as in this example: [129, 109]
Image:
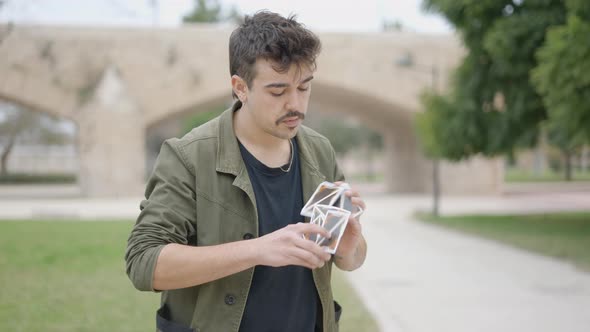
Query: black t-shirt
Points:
[281, 298]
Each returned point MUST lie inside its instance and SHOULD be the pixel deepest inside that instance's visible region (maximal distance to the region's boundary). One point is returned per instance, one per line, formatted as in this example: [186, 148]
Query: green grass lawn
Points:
[70, 276]
[516, 175]
[561, 235]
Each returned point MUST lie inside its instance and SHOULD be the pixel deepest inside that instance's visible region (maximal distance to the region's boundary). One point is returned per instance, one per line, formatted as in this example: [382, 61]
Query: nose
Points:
[294, 102]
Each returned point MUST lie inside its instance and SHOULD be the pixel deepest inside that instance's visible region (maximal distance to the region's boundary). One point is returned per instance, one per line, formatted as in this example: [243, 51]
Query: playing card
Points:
[317, 218]
[330, 208]
[334, 221]
[326, 193]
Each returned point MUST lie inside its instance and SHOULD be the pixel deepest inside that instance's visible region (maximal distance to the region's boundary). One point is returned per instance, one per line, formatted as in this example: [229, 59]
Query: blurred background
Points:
[471, 115]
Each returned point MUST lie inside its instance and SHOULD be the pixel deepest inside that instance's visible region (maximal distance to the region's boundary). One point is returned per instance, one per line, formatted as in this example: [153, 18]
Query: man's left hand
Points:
[353, 235]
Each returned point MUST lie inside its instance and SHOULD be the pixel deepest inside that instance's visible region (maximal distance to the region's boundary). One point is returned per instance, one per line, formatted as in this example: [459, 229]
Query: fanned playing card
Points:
[326, 193]
[335, 221]
[330, 208]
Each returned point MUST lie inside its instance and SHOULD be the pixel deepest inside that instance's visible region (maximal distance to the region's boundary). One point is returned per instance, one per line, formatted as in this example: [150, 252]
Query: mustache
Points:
[290, 114]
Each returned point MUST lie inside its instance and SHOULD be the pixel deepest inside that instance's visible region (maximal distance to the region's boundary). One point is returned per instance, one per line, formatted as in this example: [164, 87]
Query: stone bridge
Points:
[116, 83]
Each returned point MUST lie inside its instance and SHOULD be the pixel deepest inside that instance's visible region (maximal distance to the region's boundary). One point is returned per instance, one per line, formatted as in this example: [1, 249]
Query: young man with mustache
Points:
[220, 231]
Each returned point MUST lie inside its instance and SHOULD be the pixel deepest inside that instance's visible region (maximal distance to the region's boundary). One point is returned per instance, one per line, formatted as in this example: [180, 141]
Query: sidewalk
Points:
[422, 278]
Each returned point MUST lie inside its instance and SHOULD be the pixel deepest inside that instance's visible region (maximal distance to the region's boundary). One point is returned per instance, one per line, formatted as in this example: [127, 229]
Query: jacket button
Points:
[248, 236]
[230, 299]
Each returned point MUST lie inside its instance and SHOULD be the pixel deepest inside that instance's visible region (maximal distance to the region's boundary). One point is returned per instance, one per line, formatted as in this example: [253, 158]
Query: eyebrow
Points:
[284, 85]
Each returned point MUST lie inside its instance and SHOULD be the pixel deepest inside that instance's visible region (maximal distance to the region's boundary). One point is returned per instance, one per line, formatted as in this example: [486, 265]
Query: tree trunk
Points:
[435, 186]
[568, 165]
[540, 160]
[584, 159]
[5, 155]
[370, 165]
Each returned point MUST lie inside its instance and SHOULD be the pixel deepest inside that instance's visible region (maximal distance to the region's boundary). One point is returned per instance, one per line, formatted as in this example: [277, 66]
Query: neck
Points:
[268, 149]
[247, 130]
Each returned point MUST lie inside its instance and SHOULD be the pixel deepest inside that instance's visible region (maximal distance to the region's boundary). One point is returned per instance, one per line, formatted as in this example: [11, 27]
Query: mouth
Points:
[292, 122]
[291, 118]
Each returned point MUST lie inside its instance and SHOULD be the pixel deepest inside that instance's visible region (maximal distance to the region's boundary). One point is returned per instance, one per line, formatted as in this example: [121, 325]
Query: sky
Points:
[318, 15]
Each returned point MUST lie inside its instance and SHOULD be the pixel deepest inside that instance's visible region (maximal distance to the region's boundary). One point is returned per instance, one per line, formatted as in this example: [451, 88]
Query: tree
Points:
[343, 136]
[388, 25]
[372, 143]
[502, 38]
[562, 78]
[19, 124]
[235, 16]
[205, 11]
[199, 118]
[210, 11]
[492, 107]
[436, 108]
[562, 81]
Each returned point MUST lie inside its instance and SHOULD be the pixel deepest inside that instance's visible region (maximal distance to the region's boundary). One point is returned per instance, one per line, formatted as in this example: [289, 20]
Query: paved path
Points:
[421, 278]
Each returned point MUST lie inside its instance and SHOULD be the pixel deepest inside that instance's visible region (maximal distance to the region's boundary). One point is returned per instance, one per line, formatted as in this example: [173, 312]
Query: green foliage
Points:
[343, 136]
[30, 126]
[454, 128]
[20, 125]
[210, 11]
[563, 81]
[372, 138]
[346, 137]
[205, 11]
[502, 38]
[433, 117]
[197, 119]
[580, 8]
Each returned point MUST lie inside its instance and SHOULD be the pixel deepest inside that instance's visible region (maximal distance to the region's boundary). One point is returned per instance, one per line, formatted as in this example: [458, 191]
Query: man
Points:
[220, 230]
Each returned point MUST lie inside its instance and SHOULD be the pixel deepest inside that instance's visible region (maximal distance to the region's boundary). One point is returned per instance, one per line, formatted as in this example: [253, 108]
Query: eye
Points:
[277, 92]
[303, 88]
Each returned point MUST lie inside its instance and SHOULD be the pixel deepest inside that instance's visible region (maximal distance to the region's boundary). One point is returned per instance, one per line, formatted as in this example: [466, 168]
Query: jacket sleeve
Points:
[168, 215]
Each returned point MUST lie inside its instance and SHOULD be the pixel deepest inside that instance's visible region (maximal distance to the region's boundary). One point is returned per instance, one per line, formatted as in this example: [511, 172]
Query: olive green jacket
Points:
[200, 194]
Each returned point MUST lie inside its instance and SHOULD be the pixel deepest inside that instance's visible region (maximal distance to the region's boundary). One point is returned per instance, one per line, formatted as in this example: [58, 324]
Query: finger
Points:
[307, 228]
[359, 202]
[306, 258]
[354, 225]
[315, 249]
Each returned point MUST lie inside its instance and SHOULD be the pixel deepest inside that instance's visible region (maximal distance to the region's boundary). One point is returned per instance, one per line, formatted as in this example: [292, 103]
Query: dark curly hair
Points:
[270, 36]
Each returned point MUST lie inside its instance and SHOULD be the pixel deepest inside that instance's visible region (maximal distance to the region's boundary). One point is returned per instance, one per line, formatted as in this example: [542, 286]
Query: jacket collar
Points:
[229, 158]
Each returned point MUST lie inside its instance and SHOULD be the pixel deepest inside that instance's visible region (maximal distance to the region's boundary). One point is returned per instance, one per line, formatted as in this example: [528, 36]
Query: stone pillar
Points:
[111, 141]
[406, 170]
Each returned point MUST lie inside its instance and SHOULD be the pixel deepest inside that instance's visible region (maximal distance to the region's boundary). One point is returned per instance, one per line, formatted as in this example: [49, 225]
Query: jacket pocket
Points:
[164, 324]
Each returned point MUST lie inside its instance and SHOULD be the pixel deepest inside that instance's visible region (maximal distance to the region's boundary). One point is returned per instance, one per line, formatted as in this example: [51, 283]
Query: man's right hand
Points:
[287, 246]
[181, 266]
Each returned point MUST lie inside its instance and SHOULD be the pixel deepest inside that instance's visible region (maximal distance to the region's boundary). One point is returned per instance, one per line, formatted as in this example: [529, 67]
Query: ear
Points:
[240, 88]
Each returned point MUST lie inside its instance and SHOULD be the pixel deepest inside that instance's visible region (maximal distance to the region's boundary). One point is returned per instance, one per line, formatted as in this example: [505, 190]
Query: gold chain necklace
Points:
[290, 162]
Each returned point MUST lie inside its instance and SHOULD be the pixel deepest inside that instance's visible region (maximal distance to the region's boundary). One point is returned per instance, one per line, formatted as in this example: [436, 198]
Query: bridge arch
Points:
[405, 165]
